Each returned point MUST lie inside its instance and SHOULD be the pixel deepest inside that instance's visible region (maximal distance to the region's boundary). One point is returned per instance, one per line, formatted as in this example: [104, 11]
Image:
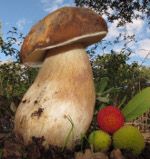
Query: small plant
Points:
[15, 79]
[112, 120]
[69, 133]
[103, 93]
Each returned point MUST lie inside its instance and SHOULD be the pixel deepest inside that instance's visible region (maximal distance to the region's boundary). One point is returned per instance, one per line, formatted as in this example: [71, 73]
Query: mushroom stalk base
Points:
[59, 105]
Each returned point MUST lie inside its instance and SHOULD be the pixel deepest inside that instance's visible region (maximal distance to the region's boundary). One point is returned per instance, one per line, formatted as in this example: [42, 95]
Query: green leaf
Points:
[138, 105]
[102, 85]
[122, 101]
[103, 99]
[111, 90]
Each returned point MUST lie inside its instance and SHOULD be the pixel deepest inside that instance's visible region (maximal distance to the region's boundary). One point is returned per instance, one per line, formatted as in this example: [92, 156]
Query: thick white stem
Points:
[63, 89]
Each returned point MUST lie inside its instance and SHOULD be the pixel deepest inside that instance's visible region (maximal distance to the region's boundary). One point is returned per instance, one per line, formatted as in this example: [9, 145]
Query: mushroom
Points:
[60, 103]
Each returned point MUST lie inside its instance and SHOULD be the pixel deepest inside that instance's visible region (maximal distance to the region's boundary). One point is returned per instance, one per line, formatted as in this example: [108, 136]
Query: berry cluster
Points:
[113, 130]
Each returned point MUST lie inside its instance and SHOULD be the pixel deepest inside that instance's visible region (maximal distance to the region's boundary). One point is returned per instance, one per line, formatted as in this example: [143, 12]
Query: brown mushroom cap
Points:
[64, 26]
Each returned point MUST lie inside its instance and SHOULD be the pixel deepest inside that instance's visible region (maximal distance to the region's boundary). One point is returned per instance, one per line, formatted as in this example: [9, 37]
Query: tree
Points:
[11, 45]
[15, 78]
[123, 11]
[128, 79]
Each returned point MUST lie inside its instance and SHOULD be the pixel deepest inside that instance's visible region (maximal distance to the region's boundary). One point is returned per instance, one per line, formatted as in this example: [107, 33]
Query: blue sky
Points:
[25, 13]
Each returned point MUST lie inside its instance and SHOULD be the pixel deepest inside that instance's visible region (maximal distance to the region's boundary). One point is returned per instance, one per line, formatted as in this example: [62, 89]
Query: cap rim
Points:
[36, 57]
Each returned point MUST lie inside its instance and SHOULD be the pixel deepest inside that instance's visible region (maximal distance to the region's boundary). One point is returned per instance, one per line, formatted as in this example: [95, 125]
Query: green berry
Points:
[100, 140]
[129, 138]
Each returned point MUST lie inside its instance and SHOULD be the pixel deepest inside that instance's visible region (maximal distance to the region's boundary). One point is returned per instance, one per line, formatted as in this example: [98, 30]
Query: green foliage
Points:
[102, 96]
[15, 79]
[11, 45]
[138, 105]
[103, 93]
[145, 74]
[125, 79]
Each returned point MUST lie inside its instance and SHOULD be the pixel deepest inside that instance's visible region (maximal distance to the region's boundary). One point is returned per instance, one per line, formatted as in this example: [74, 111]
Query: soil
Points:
[12, 147]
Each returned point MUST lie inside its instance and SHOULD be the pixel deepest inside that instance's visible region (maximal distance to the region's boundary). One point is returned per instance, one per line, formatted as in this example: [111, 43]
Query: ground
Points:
[12, 147]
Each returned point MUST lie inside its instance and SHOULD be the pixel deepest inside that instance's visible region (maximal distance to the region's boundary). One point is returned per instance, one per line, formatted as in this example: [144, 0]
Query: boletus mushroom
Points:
[60, 103]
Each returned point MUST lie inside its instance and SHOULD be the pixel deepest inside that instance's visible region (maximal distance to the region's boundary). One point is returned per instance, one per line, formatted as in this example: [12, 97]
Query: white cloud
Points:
[148, 30]
[113, 30]
[21, 23]
[130, 28]
[139, 28]
[51, 5]
[144, 48]
[135, 27]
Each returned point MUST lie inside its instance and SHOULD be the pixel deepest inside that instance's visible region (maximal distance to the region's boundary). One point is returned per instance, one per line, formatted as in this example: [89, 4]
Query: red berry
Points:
[110, 119]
